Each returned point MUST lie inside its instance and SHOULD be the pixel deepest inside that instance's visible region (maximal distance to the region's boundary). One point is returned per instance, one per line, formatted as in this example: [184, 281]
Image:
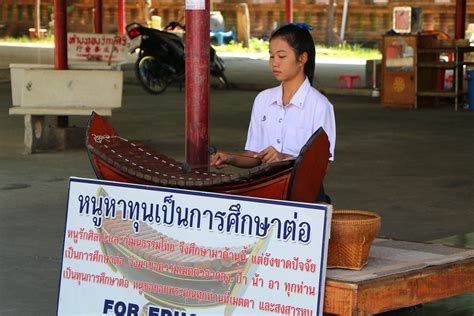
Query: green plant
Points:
[26, 39]
[344, 50]
[255, 46]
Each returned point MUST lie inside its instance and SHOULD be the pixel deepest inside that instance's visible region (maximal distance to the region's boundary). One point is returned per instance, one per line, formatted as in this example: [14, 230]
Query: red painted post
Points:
[460, 19]
[197, 82]
[60, 34]
[121, 17]
[98, 16]
[289, 11]
[460, 33]
[60, 45]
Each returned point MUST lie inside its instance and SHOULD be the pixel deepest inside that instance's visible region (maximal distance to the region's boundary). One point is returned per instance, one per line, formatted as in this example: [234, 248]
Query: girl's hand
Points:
[220, 160]
[270, 154]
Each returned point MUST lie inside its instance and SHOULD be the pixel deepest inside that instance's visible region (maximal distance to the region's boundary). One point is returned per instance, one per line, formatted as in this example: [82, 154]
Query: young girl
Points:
[283, 118]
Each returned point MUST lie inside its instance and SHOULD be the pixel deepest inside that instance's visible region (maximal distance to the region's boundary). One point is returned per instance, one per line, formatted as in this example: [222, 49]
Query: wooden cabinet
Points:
[399, 73]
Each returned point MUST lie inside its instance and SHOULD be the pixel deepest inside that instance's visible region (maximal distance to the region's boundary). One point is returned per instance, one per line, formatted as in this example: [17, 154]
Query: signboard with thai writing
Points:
[89, 46]
[141, 250]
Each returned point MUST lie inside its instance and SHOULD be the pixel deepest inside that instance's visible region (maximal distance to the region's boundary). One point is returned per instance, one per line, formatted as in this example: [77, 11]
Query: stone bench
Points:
[39, 91]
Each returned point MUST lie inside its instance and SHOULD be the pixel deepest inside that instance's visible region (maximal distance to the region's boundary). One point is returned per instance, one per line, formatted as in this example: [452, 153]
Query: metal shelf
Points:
[437, 64]
[456, 65]
[436, 49]
[446, 49]
[448, 94]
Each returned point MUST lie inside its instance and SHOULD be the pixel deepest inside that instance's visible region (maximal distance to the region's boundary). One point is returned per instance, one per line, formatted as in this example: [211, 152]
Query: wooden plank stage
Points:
[399, 274]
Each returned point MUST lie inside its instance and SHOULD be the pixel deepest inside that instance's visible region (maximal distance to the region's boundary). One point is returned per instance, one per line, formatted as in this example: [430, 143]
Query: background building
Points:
[367, 19]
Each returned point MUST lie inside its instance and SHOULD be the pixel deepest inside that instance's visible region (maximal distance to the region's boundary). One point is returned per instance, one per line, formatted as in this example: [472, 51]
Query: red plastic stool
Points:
[349, 80]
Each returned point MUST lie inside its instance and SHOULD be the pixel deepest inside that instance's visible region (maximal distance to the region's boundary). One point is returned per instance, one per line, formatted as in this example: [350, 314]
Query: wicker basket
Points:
[352, 234]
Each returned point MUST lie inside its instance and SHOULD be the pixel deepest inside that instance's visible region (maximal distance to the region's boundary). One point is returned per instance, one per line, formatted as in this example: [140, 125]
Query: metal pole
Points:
[121, 17]
[98, 16]
[344, 19]
[60, 34]
[460, 19]
[289, 11]
[197, 82]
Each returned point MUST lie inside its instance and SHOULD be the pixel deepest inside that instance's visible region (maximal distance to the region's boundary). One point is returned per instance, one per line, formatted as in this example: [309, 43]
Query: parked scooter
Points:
[160, 59]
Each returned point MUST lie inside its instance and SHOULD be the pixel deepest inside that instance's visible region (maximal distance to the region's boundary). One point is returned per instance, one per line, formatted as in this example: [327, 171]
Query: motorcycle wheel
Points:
[219, 73]
[151, 75]
[223, 80]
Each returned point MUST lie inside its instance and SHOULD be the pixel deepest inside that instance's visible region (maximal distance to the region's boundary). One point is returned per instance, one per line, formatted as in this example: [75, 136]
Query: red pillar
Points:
[460, 19]
[121, 17]
[197, 85]
[98, 16]
[289, 11]
[60, 34]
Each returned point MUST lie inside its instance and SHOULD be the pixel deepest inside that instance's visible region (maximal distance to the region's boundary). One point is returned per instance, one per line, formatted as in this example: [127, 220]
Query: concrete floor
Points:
[414, 168]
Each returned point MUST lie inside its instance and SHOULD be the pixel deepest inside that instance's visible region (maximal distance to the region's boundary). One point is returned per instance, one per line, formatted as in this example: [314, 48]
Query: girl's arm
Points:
[270, 154]
[246, 159]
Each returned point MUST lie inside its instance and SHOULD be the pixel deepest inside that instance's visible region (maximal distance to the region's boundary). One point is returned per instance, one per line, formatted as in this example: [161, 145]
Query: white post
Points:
[344, 19]
[38, 18]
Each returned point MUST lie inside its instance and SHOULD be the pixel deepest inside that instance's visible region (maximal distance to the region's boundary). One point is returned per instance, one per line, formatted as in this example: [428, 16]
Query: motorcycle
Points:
[161, 60]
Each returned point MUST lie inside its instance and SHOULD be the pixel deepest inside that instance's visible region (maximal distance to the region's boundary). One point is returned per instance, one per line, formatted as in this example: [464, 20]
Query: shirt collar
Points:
[299, 97]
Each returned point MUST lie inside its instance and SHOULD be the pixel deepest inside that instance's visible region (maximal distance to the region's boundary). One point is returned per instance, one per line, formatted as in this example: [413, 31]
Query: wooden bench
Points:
[39, 91]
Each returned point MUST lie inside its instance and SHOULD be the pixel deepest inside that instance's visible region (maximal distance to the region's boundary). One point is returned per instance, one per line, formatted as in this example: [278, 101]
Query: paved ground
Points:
[415, 168]
[412, 167]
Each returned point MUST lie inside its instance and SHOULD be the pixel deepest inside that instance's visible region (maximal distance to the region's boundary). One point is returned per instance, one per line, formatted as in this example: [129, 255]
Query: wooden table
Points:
[444, 277]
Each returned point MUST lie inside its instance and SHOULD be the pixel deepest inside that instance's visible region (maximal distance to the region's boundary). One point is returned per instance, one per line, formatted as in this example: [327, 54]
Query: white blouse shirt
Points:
[287, 128]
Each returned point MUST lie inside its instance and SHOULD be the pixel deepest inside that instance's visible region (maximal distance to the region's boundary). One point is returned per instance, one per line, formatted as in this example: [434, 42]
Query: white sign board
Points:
[195, 4]
[89, 46]
[141, 250]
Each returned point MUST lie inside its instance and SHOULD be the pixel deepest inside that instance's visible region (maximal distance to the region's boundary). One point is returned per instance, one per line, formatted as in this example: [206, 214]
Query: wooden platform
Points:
[399, 274]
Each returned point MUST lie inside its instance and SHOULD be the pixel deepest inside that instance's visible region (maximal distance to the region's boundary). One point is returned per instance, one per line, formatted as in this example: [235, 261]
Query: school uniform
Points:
[288, 128]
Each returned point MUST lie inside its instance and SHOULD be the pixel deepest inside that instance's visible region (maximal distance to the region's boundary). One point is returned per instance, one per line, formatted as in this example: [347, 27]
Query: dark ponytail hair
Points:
[298, 37]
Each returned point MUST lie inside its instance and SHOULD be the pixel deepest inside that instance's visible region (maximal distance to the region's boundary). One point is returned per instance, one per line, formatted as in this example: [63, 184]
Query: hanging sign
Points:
[142, 250]
[195, 4]
[88, 46]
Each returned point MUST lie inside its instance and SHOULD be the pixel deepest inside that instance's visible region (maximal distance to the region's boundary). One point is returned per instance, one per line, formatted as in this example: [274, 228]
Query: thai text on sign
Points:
[89, 46]
[140, 250]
